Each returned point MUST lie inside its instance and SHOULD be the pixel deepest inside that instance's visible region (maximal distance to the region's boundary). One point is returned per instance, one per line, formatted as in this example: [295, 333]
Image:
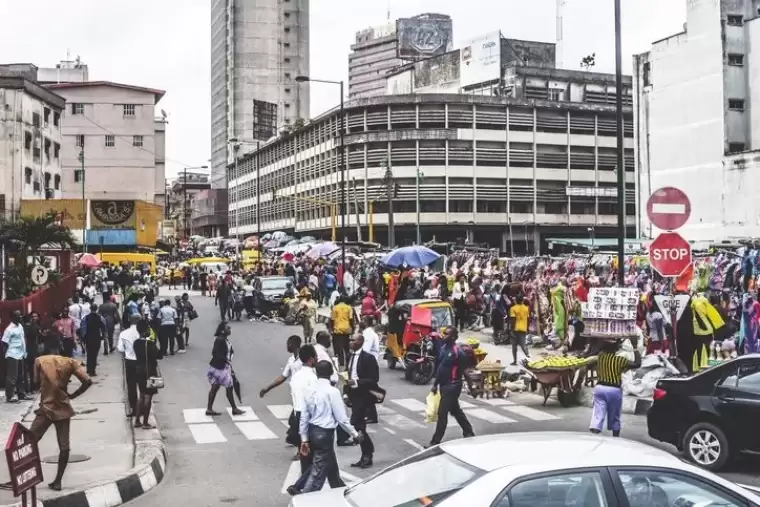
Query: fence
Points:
[47, 302]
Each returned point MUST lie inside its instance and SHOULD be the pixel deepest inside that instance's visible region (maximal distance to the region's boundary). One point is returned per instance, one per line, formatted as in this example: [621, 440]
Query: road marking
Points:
[410, 404]
[294, 472]
[255, 430]
[382, 410]
[249, 415]
[280, 411]
[496, 402]
[206, 433]
[196, 415]
[486, 415]
[414, 444]
[371, 430]
[401, 422]
[466, 404]
[284, 423]
[531, 413]
[389, 430]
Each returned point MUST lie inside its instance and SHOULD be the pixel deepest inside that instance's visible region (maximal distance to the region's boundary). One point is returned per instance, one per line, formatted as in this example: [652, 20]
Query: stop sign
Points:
[670, 254]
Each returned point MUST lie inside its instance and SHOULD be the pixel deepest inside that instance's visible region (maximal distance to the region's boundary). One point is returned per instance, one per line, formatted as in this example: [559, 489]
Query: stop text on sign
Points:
[666, 254]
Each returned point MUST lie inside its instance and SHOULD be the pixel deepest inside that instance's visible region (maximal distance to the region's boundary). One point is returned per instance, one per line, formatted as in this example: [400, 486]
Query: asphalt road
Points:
[246, 461]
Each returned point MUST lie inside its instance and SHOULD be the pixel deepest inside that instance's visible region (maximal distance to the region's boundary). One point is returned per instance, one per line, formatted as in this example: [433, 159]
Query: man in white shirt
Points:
[371, 338]
[323, 343]
[301, 385]
[292, 367]
[323, 412]
[125, 345]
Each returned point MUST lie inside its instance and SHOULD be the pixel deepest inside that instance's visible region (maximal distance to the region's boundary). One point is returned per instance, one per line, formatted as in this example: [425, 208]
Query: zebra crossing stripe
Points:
[497, 402]
[249, 415]
[410, 404]
[255, 430]
[280, 411]
[196, 415]
[530, 413]
[488, 416]
[206, 433]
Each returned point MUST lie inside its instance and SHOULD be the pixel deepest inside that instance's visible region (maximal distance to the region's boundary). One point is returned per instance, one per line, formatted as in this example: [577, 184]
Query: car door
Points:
[580, 487]
[661, 487]
[737, 401]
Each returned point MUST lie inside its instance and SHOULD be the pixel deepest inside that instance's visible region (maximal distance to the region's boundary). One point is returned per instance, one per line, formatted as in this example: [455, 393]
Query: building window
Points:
[129, 110]
[137, 141]
[28, 175]
[57, 181]
[286, 44]
[735, 20]
[56, 119]
[77, 108]
[736, 59]
[287, 90]
[287, 29]
[110, 141]
[78, 176]
[47, 180]
[56, 150]
[647, 74]
[735, 147]
[286, 60]
[80, 141]
[27, 140]
[736, 104]
[287, 75]
[46, 116]
[36, 119]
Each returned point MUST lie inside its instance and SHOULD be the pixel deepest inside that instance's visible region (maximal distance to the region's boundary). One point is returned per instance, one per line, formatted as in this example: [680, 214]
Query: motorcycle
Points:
[419, 359]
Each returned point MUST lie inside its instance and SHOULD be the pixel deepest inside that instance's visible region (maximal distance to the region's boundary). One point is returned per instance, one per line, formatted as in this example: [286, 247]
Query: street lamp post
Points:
[343, 208]
[621, 167]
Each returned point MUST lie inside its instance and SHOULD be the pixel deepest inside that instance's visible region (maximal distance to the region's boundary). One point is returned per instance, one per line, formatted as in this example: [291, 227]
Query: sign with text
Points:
[112, 214]
[480, 60]
[679, 301]
[611, 303]
[23, 456]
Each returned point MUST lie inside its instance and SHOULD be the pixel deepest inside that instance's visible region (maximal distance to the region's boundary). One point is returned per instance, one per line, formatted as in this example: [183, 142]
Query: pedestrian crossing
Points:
[403, 415]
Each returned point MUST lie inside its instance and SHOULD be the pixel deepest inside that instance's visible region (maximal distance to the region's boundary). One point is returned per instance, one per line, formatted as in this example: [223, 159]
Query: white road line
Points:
[389, 430]
[531, 413]
[196, 415]
[371, 430]
[410, 404]
[401, 422]
[496, 402]
[206, 433]
[249, 415]
[255, 430]
[466, 404]
[486, 415]
[383, 410]
[280, 411]
[284, 423]
[414, 444]
[294, 472]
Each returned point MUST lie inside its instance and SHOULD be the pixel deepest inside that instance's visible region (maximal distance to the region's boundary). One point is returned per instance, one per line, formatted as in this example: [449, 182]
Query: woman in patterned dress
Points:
[219, 373]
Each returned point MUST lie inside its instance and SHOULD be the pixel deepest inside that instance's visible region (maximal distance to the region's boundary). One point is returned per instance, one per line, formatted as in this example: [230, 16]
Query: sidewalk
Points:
[119, 464]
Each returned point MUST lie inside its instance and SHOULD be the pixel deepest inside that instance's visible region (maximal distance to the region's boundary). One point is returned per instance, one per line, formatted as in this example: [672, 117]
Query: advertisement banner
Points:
[112, 214]
[70, 212]
[424, 36]
[481, 60]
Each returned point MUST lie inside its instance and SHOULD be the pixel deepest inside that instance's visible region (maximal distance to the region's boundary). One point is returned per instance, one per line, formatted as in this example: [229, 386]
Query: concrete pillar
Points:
[536, 240]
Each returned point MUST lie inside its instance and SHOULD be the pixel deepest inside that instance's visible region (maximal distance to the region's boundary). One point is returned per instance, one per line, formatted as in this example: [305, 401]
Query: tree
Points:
[25, 237]
[299, 123]
[588, 62]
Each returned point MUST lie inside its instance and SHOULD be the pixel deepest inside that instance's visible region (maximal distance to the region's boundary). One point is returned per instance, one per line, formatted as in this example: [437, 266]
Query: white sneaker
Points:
[181, 351]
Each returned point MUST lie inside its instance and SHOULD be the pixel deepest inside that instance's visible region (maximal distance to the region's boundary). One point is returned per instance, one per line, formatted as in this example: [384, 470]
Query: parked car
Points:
[268, 292]
[542, 469]
[710, 416]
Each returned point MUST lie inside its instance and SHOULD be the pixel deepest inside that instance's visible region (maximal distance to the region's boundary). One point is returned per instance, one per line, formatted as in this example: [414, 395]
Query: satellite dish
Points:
[164, 114]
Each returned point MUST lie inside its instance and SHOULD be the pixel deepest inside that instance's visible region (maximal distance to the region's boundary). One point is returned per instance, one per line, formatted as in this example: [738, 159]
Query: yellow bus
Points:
[136, 260]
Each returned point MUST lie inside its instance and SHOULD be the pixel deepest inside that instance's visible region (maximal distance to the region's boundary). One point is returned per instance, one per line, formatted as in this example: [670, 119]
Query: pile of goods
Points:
[479, 353]
[555, 363]
[490, 365]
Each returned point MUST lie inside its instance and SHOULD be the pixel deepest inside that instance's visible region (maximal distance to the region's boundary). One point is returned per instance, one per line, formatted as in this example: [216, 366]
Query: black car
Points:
[269, 291]
[711, 416]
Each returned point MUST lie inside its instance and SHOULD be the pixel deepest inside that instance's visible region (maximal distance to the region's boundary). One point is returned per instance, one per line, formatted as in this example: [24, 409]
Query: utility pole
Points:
[236, 149]
[621, 167]
[389, 191]
[258, 197]
[184, 204]
[420, 175]
[84, 201]
[356, 210]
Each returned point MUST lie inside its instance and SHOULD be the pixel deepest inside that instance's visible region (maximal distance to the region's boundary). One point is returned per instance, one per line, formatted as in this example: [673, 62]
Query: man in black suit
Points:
[363, 376]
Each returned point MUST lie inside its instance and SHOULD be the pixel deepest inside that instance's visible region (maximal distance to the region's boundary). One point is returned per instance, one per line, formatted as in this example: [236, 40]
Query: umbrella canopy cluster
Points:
[410, 257]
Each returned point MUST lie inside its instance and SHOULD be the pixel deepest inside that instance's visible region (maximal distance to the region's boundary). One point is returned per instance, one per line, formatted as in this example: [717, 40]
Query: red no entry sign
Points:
[670, 254]
[668, 208]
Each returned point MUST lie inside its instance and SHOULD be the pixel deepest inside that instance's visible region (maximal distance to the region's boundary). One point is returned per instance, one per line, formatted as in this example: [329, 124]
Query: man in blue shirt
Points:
[14, 344]
[450, 366]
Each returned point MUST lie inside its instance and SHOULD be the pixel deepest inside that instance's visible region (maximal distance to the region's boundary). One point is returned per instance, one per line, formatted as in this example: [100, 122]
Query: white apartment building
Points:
[113, 127]
[30, 142]
[697, 119]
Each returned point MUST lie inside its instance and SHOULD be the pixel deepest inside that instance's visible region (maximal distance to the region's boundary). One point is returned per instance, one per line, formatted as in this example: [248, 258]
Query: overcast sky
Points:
[165, 43]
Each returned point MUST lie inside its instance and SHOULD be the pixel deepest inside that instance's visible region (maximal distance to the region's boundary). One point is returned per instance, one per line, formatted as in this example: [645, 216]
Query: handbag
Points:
[153, 382]
[192, 314]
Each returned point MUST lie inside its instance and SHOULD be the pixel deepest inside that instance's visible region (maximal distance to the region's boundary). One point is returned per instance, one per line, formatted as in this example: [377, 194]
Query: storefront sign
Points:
[611, 303]
[23, 456]
[112, 214]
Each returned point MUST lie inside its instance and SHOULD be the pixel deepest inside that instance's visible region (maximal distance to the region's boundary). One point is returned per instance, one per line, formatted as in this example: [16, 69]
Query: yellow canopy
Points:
[207, 259]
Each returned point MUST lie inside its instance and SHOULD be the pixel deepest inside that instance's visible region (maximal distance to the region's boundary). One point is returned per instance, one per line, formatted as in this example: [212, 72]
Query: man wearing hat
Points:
[307, 312]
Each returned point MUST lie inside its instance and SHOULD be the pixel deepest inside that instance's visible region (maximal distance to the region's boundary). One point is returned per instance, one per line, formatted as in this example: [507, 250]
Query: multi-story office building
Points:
[258, 48]
[549, 174]
[110, 131]
[697, 112]
[380, 49]
[67, 71]
[30, 139]
[183, 193]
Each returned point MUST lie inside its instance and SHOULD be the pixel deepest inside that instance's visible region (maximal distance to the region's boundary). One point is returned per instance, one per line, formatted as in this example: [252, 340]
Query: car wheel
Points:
[707, 446]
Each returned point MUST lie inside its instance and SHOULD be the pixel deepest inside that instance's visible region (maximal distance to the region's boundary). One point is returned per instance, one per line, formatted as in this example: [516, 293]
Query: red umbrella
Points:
[89, 261]
[287, 257]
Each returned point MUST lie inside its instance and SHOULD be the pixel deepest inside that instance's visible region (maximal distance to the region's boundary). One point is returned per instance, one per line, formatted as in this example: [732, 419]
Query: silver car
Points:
[546, 469]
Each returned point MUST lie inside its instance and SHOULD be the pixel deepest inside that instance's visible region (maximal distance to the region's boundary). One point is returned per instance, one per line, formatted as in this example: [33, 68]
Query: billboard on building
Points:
[481, 60]
[70, 212]
[112, 214]
[424, 36]
[264, 120]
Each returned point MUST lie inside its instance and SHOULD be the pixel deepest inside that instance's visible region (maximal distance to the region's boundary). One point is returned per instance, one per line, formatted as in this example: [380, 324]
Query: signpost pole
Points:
[673, 349]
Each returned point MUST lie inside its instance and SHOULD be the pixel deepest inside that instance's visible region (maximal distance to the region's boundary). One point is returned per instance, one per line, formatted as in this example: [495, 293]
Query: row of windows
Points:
[109, 141]
[29, 180]
[43, 120]
[128, 110]
[50, 148]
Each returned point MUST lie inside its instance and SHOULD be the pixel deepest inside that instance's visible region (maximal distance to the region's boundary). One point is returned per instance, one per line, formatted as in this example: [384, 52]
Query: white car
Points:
[543, 469]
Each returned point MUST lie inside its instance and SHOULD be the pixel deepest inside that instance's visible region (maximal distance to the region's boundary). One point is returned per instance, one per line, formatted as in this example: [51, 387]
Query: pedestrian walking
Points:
[93, 333]
[125, 345]
[323, 411]
[519, 313]
[167, 329]
[293, 344]
[451, 364]
[67, 328]
[14, 343]
[342, 326]
[363, 377]
[307, 314]
[219, 373]
[300, 386]
[33, 338]
[109, 310]
[146, 368]
[608, 393]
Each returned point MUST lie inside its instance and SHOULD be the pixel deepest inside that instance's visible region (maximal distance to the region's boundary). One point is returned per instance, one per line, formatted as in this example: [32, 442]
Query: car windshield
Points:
[427, 477]
[274, 283]
[441, 317]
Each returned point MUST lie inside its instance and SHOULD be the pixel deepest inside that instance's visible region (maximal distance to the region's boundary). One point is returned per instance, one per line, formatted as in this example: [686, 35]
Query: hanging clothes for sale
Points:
[559, 312]
[696, 328]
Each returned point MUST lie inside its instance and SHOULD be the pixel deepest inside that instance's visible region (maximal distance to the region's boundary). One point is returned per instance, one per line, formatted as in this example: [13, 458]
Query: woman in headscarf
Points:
[220, 373]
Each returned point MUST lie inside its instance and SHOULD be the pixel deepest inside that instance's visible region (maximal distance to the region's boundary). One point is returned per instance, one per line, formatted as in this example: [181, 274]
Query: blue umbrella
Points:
[410, 256]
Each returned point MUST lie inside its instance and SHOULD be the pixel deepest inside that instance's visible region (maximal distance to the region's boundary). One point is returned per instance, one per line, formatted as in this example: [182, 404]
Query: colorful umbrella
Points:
[89, 261]
[410, 257]
[322, 250]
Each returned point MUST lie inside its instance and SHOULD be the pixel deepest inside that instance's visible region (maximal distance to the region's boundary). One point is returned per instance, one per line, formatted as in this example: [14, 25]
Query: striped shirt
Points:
[610, 368]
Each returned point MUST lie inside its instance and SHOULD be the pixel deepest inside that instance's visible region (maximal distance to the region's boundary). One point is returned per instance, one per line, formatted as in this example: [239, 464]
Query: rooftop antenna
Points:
[389, 10]
[560, 33]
